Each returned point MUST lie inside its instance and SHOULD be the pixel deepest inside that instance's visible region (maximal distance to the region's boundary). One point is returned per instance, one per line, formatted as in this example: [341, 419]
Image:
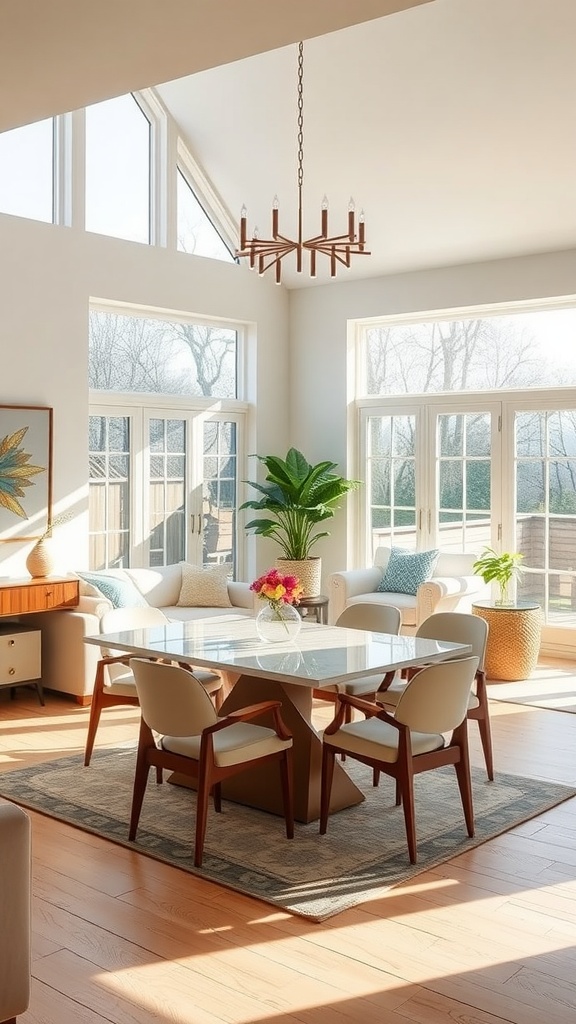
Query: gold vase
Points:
[41, 559]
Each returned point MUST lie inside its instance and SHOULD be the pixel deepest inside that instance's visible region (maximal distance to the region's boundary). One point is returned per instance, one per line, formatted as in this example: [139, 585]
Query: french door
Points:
[463, 473]
[432, 473]
[163, 486]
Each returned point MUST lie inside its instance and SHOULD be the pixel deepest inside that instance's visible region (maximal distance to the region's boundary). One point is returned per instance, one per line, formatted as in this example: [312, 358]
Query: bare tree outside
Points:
[141, 354]
[452, 355]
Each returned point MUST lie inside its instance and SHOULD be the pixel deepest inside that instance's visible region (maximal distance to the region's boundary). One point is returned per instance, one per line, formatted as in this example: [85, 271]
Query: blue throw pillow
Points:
[121, 593]
[406, 570]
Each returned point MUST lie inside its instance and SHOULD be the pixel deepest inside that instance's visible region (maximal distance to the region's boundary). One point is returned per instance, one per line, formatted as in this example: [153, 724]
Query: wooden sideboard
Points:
[21, 597]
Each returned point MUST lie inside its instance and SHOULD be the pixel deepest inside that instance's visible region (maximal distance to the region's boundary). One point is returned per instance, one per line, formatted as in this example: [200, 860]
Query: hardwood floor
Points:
[485, 938]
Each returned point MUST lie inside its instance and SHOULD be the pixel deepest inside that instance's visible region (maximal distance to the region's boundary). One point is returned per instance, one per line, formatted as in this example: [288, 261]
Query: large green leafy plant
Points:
[296, 497]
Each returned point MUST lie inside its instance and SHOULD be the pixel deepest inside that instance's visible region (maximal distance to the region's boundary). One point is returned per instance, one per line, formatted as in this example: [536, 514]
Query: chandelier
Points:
[264, 253]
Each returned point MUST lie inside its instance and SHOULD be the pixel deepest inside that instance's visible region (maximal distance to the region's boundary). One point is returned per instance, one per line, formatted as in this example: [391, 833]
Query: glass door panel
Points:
[168, 490]
[545, 520]
[463, 481]
[109, 491]
[219, 491]
[391, 480]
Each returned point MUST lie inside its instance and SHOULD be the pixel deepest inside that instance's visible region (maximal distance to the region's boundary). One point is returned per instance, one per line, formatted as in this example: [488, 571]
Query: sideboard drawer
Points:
[20, 656]
[38, 597]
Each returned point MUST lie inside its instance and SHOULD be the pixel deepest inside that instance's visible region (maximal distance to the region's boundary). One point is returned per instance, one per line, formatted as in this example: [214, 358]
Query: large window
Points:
[27, 171]
[468, 438]
[165, 431]
[118, 162]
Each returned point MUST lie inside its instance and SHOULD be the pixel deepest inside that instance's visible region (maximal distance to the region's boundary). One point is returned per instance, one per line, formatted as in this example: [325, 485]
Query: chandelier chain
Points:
[300, 115]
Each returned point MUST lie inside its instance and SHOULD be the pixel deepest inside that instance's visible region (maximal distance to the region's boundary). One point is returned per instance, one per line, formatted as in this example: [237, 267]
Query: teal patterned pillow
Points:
[406, 570]
[121, 593]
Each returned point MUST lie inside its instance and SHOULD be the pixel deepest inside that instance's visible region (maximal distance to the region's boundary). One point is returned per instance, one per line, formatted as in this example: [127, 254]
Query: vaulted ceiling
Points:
[450, 122]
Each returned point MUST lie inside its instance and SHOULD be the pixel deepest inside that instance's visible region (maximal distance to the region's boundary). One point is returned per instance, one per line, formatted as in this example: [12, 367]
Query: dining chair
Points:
[114, 682]
[458, 628]
[375, 619]
[433, 704]
[193, 740]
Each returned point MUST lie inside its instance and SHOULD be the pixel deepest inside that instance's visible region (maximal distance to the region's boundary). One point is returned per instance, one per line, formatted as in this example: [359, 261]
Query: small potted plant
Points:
[502, 569]
[296, 497]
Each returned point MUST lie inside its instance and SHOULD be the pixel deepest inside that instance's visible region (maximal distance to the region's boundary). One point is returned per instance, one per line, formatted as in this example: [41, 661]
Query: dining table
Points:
[319, 657]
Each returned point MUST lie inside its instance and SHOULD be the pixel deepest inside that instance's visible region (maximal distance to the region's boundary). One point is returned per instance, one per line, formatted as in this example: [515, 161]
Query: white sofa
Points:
[453, 587]
[69, 664]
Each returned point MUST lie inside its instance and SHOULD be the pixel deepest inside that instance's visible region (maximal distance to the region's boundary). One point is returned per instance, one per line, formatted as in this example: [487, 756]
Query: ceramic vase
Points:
[41, 559]
[278, 622]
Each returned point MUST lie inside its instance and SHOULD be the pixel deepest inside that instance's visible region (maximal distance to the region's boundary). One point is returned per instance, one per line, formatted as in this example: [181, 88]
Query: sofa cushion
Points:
[119, 590]
[205, 586]
[159, 585]
[407, 570]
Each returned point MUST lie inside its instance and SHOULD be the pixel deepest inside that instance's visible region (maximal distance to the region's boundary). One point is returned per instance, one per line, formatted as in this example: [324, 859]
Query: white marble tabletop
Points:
[319, 656]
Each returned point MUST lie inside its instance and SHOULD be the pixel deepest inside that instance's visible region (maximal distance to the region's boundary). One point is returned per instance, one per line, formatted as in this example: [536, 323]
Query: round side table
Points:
[513, 638]
[316, 606]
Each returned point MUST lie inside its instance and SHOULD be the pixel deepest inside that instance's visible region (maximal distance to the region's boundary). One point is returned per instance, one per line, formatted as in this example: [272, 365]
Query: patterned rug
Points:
[363, 854]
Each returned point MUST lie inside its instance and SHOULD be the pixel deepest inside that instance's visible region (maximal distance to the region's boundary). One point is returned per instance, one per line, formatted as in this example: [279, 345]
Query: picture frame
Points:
[26, 437]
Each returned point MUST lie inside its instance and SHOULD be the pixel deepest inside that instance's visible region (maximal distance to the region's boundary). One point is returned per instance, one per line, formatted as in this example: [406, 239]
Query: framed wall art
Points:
[25, 472]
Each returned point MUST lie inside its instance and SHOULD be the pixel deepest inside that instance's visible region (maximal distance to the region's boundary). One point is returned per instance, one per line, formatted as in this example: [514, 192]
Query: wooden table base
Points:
[261, 789]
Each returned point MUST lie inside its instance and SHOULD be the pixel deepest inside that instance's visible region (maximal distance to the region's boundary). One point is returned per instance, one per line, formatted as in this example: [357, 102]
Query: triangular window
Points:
[196, 232]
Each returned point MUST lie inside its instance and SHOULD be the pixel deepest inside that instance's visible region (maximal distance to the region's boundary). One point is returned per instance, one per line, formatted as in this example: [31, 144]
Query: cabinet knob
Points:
[11, 643]
[11, 671]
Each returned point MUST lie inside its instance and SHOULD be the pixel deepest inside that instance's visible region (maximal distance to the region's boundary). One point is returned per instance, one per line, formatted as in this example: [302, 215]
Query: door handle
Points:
[199, 524]
[192, 518]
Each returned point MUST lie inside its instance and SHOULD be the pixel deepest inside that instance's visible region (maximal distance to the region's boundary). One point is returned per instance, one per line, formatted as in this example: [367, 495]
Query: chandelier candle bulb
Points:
[324, 220]
[275, 205]
[243, 213]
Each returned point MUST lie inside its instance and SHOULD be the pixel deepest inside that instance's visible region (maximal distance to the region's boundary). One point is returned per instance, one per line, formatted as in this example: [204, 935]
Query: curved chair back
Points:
[458, 628]
[436, 699]
[119, 619]
[172, 700]
[373, 617]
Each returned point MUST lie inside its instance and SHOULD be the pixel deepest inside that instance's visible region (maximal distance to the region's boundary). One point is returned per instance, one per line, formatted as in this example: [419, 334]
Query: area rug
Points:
[363, 854]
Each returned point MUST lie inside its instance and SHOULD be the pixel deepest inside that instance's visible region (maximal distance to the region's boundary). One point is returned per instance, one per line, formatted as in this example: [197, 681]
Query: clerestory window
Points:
[27, 171]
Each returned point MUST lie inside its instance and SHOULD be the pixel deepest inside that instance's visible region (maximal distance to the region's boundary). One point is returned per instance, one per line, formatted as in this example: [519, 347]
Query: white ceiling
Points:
[451, 124]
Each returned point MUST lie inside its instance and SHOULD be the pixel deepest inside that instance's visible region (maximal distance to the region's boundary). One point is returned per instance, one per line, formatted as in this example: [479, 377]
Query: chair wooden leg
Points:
[398, 793]
[217, 797]
[463, 775]
[159, 775]
[328, 756]
[203, 796]
[219, 698]
[406, 783]
[375, 776]
[95, 712]
[486, 740]
[140, 779]
[286, 777]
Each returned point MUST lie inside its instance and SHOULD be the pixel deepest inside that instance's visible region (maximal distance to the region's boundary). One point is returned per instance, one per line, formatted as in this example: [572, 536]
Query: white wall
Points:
[319, 319]
[47, 276]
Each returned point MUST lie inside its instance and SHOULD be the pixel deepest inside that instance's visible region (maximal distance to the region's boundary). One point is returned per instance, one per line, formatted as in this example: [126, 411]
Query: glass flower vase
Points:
[278, 622]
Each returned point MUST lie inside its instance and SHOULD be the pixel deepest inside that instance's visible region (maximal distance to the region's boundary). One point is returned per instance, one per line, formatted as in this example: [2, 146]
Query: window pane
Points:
[118, 169]
[26, 171]
[524, 350]
[219, 492]
[196, 233]
[109, 491]
[129, 353]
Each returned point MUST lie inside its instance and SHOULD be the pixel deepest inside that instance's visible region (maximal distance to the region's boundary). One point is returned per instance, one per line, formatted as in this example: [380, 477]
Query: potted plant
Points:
[501, 569]
[295, 498]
